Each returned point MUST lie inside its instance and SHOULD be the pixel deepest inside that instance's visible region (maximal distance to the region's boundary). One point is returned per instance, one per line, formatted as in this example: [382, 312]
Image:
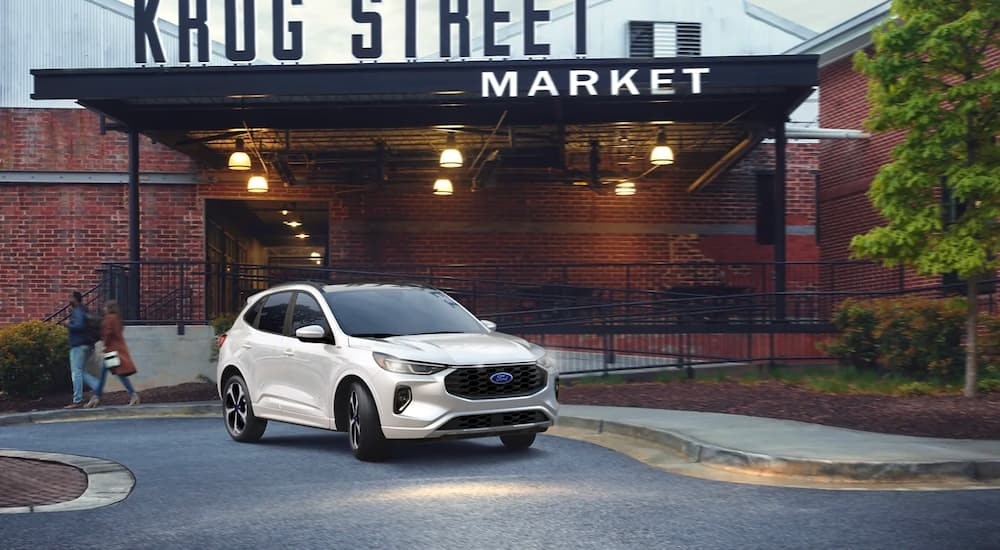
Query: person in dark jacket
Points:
[80, 349]
[112, 334]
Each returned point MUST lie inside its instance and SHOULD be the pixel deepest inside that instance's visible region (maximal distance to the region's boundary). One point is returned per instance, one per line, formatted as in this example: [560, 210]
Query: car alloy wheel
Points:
[363, 427]
[241, 423]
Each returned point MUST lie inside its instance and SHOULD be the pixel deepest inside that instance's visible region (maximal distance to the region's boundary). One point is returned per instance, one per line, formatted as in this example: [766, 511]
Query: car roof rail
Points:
[315, 284]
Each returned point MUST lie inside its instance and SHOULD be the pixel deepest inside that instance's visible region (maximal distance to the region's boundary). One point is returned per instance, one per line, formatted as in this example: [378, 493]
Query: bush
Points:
[223, 322]
[911, 336]
[988, 344]
[988, 385]
[914, 389]
[921, 337]
[856, 345]
[34, 359]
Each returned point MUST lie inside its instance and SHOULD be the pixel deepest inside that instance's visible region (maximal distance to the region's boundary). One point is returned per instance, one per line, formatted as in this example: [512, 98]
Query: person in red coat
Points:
[112, 334]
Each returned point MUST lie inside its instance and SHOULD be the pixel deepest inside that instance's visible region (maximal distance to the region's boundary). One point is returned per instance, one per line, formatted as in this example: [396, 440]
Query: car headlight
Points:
[546, 361]
[402, 366]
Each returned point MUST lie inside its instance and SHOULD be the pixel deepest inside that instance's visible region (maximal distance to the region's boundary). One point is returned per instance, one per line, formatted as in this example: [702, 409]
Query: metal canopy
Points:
[360, 123]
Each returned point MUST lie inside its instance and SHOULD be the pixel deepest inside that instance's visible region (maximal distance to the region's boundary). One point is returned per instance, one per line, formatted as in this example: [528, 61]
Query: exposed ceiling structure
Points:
[560, 154]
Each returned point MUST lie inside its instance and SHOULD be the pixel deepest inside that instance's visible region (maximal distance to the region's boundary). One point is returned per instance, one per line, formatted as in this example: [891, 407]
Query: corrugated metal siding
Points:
[65, 34]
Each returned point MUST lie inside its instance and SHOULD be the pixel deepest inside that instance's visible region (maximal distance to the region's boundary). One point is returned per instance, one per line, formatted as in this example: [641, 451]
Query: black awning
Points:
[728, 97]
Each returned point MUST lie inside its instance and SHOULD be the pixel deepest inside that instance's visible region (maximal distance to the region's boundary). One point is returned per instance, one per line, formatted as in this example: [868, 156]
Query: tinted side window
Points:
[272, 315]
[251, 315]
[307, 312]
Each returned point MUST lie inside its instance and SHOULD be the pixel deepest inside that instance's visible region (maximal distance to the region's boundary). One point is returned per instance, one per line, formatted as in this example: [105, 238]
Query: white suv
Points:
[380, 362]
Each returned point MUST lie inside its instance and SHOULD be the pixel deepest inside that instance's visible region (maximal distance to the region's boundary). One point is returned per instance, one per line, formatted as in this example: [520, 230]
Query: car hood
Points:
[454, 349]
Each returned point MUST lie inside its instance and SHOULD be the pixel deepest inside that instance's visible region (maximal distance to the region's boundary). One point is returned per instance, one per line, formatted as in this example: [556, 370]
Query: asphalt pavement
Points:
[749, 446]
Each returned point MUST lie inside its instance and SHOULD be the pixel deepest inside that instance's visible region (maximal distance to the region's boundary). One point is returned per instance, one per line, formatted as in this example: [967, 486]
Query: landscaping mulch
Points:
[950, 416]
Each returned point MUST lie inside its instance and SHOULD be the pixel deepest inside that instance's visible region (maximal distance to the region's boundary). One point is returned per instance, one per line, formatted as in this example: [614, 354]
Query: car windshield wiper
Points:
[374, 335]
[445, 332]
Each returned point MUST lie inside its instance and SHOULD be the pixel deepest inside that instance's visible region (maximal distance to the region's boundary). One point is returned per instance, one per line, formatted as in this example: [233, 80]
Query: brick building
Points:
[64, 198]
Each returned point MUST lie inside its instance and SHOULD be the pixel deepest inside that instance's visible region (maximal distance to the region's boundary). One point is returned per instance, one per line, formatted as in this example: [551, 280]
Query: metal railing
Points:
[597, 317]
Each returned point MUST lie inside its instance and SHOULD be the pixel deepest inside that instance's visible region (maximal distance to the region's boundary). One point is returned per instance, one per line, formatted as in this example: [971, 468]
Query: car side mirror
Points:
[490, 325]
[312, 333]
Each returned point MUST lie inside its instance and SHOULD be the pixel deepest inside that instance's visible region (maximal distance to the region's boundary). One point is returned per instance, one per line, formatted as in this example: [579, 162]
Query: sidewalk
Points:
[747, 445]
[766, 446]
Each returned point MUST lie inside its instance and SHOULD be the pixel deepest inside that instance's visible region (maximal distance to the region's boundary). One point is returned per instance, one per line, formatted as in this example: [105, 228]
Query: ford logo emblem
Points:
[501, 378]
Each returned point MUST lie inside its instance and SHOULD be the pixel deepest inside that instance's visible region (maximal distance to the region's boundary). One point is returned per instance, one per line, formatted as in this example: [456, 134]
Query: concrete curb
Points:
[107, 482]
[691, 448]
[205, 408]
[766, 465]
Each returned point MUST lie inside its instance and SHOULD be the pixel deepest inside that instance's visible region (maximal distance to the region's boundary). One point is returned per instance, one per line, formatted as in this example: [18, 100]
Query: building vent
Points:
[663, 39]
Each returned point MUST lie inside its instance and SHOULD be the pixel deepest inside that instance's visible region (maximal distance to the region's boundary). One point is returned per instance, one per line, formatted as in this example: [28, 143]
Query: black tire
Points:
[241, 423]
[517, 442]
[364, 429]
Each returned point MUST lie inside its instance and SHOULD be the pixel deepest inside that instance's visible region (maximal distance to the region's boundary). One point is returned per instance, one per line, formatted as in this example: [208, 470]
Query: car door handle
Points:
[288, 353]
[247, 346]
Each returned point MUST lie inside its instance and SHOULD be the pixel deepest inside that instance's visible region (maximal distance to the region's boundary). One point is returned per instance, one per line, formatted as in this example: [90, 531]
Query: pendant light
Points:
[451, 157]
[443, 187]
[662, 154]
[257, 184]
[625, 189]
[239, 160]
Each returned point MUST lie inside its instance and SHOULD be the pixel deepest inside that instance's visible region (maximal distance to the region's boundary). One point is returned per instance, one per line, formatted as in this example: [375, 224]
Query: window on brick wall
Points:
[816, 209]
[663, 39]
[765, 208]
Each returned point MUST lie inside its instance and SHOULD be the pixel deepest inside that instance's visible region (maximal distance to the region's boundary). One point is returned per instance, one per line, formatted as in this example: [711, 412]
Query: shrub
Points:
[223, 322]
[34, 359]
[988, 385]
[911, 336]
[921, 337]
[856, 344]
[988, 344]
[914, 389]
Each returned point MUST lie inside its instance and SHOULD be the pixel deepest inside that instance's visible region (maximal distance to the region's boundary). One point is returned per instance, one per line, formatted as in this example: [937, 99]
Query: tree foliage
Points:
[929, 78]
[933, 78]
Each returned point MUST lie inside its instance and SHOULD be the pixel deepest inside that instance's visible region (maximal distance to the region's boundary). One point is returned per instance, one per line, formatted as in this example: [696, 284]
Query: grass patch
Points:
[820, 378]
[595, 380]
[853, 381]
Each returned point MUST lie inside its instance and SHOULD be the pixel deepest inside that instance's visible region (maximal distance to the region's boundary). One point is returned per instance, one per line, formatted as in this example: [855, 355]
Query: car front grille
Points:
[476, 382]
[479, 421]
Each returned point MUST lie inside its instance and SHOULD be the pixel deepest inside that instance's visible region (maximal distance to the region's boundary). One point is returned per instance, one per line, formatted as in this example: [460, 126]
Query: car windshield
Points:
[382, 312]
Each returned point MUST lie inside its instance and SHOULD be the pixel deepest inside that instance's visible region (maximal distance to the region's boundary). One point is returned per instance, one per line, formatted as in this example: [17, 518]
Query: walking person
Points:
[117, 358]
[81, 346]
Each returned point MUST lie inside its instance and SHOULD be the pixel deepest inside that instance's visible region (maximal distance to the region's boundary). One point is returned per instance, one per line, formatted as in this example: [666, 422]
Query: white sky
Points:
[815, 14]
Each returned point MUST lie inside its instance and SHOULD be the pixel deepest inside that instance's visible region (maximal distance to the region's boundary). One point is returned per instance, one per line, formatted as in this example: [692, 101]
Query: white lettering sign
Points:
[588, 82]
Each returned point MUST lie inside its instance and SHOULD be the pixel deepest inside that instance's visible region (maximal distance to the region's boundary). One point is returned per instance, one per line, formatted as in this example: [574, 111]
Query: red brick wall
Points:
[51, 140]
[56, 235]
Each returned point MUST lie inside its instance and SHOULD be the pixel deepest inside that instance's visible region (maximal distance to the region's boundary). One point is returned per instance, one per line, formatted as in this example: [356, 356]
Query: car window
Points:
[307, 312]
[390, 311]
[251, 315]
[272, 314]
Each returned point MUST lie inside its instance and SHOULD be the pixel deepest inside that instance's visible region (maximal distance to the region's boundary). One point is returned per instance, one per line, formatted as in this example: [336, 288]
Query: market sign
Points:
[240, 32]
[588, 82]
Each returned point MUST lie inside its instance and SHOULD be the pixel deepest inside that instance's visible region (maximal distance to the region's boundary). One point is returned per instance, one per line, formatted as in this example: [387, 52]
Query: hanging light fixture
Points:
[662, 154]
[443, 187]
[625, 188]
[257, 184]
[451, 157]
[239, 159]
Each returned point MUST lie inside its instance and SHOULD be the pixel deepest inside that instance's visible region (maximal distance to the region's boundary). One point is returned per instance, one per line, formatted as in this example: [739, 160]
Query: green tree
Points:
[931, 78]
